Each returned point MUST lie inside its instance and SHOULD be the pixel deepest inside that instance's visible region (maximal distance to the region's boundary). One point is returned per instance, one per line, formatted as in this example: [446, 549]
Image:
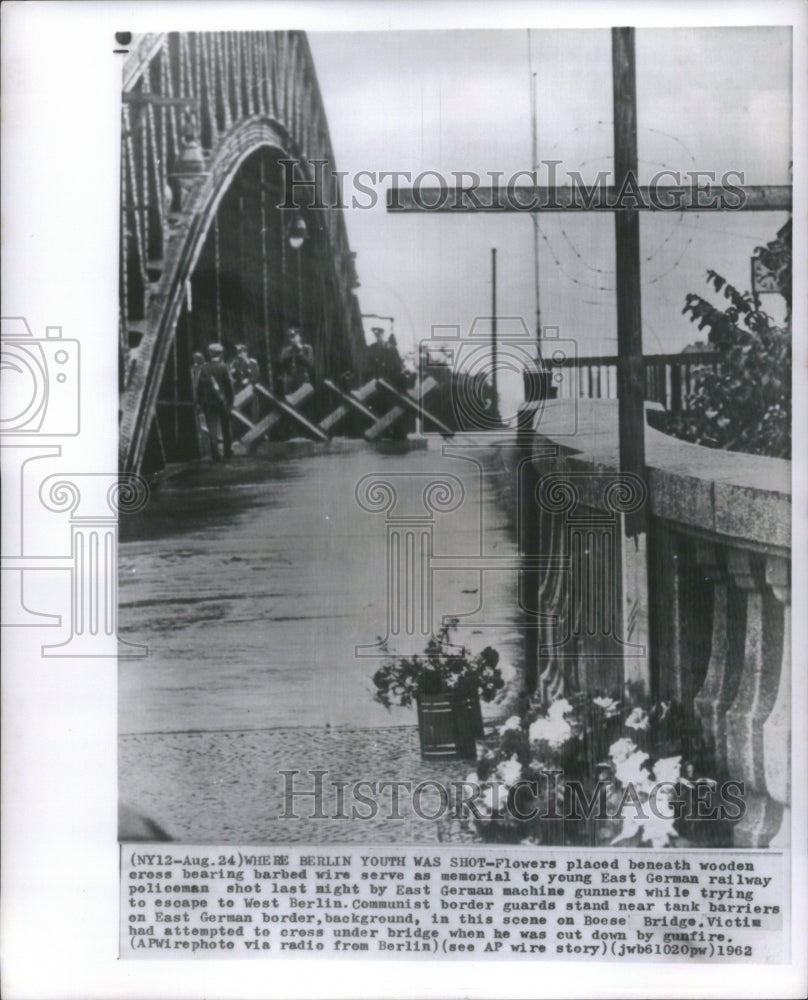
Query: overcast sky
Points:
[709, 99]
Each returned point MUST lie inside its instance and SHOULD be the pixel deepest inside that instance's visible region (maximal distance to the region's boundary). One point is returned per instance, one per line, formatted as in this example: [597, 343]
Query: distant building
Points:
[698, 347]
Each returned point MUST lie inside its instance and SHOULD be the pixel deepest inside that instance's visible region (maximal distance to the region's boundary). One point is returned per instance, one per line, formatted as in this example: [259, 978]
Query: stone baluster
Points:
[666, 610]
[754, 701]
[595, 642]
[777, 728]
[527, 521]
[723, 671]
[553, 600]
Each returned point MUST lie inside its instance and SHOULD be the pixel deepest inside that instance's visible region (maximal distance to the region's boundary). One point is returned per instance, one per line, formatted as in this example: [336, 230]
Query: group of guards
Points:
[216, 383]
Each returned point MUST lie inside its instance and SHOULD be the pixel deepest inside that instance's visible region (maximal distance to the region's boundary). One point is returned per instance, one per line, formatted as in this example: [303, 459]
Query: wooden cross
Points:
[630, 368]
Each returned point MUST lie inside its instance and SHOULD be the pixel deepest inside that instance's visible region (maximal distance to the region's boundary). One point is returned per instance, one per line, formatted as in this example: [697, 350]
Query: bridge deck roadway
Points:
[252, 584]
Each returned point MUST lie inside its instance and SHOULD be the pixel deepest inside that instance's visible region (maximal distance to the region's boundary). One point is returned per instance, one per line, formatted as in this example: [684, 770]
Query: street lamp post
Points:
[494, 386]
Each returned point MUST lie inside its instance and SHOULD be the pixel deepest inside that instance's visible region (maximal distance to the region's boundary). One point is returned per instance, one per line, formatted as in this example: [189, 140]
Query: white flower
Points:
[609, 705]
[510, 771]
[660, 832]
[668, 769]
[638, 719]
[621, 749]
[561, 734]
[630, 827]
[631, 771]
[554, 731]
[513, 723]
[558, 709]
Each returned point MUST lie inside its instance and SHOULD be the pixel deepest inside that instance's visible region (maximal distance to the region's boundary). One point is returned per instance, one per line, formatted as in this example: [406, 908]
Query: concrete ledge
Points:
[744, 497]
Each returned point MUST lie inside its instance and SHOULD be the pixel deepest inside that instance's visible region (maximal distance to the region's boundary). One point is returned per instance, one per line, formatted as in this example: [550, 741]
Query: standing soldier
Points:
[296, 362]
[244, 369]
[214, 393]
[384, 361]
[378, 354]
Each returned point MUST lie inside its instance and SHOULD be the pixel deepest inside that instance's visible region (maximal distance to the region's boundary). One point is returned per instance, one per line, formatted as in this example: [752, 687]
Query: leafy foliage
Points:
[744, 403]
[443, 667]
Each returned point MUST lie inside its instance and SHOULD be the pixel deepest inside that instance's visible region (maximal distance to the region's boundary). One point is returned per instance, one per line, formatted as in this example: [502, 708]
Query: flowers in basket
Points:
[443, 668]
[590, 771]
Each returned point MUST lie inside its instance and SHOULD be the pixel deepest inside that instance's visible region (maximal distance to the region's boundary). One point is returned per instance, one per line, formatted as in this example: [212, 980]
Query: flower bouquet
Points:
[446, 682]
[590, 771]
[443, 668]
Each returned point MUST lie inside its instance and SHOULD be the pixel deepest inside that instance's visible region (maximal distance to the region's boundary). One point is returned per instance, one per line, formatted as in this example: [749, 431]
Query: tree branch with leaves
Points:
[744, 402]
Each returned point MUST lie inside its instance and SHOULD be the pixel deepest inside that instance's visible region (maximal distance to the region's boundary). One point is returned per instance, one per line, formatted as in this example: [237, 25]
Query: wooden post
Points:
[630, 375]
[528, 540]
[534, 165]
[494, 388]
[630, 368]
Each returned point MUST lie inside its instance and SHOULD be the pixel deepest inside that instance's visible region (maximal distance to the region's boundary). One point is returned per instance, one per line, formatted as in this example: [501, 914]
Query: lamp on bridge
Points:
[298, 234]
[191, 159]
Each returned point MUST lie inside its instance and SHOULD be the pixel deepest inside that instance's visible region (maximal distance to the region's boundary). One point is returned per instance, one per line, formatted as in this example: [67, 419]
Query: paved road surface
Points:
[253, 584]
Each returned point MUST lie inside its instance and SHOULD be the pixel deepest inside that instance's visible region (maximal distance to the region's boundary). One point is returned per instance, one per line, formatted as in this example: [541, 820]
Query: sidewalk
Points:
[238, 793]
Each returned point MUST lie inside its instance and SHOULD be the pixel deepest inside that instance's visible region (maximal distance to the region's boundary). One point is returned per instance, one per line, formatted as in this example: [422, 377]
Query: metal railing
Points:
[669, 378]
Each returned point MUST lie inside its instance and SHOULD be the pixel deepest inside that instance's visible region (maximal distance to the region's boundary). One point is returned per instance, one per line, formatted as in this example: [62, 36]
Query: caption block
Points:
[213, 902]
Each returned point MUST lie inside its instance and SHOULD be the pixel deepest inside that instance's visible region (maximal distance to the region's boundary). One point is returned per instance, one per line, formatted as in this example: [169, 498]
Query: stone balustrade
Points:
[719, 589]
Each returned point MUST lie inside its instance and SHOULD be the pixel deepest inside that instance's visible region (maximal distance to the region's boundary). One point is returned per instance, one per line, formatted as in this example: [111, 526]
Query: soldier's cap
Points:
[293, 331]
[240, 348]
[215, 349]
[377, 330]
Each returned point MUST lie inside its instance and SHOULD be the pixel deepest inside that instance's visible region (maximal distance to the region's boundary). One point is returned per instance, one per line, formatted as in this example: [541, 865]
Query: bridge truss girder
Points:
[204, 248]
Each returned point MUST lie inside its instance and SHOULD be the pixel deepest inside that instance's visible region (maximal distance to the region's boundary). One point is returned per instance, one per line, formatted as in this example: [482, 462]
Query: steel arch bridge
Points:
[205, 251]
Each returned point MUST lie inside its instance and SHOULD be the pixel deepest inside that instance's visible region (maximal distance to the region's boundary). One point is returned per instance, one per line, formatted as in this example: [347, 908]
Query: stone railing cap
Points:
[743, 496]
